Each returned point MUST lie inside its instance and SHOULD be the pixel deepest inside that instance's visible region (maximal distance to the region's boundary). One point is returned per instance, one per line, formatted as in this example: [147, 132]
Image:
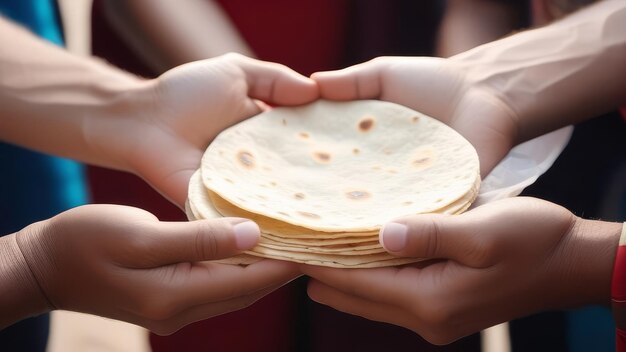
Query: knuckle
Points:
[206, 242]
[432, 237]
[424, 237]
[140, 236]
[232, 56]
[485, 252]
[380, 60]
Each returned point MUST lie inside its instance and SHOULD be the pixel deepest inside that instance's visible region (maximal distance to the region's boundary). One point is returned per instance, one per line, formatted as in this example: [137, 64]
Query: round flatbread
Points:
[340, 166]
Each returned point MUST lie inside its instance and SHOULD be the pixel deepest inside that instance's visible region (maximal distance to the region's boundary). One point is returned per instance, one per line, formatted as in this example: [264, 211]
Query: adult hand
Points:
[508, 91]
[122, 263]
[436, 87]
[168, 122]
[497, 262]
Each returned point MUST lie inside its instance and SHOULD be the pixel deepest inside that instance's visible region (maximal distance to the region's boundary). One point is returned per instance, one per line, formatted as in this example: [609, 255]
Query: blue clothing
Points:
[40, 16]
[34, 186]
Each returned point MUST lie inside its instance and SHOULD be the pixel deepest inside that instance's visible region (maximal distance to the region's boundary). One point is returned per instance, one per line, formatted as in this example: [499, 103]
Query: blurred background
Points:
[149, 37]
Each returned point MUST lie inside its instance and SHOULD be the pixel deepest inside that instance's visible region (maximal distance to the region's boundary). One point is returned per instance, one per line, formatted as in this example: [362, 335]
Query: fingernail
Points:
[393, 237]
[246, 234]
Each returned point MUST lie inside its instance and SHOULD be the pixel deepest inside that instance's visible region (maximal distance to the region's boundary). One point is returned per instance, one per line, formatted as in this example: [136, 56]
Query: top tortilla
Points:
[340, 166]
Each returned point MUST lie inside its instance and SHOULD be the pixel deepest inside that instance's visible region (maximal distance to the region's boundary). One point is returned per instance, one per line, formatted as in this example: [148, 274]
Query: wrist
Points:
[20, 294]
[556, 75]
[618, 284]
[589, 256]
[111, 129]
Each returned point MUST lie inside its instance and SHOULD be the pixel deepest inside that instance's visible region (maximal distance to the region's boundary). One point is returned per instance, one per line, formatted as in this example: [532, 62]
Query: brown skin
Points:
[120, 262]
[509, 258]
[500, 261]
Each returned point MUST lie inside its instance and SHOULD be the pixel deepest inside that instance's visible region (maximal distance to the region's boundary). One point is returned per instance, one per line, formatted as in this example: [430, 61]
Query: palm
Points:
[199, 104]
[436, 88]
[195, 102]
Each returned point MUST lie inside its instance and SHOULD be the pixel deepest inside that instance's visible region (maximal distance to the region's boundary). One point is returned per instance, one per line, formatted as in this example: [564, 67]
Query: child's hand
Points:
[435, 87]
[168, 122]
[122, 263]
[500, 261]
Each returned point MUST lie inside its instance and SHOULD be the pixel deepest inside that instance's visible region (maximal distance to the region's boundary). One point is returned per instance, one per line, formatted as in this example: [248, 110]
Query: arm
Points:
[122, 263]
[83, 109]
[508, 91]
[467, 24]
[166, 34]
[559, 74]
[20, 295]
[47, 95]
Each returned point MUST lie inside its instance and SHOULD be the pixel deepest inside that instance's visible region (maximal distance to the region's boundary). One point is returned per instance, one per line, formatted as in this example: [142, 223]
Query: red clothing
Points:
[307, 36]
[618, 293]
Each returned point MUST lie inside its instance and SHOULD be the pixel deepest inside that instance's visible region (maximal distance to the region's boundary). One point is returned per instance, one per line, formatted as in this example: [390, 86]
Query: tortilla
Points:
[340, 166]
[320, 180]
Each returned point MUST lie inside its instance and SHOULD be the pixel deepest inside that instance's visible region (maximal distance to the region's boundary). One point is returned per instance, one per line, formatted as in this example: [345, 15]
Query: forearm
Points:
[166, 34]
[557, 75]
[49, 99]
[467, 24]
[20, 295]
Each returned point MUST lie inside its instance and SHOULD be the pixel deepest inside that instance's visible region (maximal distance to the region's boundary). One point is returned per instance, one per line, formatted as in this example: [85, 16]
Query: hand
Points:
[122, 263]
[497, 262]
[435, 87]
[173, 119]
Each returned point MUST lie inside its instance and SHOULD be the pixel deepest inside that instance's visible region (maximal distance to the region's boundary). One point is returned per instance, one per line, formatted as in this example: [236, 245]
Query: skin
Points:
[158, 129]
[508, 91]
[122, 263]
[509, 258]
[116, 261]
[488, 266]
[165, 34]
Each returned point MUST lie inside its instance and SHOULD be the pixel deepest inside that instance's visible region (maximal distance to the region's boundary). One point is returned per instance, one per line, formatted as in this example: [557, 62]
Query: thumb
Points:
[275, 83]
[176, 242]
[362, 81]
[436, 236]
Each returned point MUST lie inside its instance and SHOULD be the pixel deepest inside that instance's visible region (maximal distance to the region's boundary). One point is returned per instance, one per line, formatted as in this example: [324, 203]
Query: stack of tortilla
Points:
[320, 180]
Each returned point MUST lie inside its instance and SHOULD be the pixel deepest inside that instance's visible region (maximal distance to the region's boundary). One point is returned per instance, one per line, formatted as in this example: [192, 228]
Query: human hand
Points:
[497, 262]
[168, 122]
[436, 87]
[122, 263]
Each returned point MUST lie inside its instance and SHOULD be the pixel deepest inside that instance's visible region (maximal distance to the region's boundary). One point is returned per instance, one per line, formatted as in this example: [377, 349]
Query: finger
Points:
[176, 242]
[462, 238]
[276, 83]
[183, 285]
[207, 310]
[362, 81]
[373, 310]
[379, 284]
